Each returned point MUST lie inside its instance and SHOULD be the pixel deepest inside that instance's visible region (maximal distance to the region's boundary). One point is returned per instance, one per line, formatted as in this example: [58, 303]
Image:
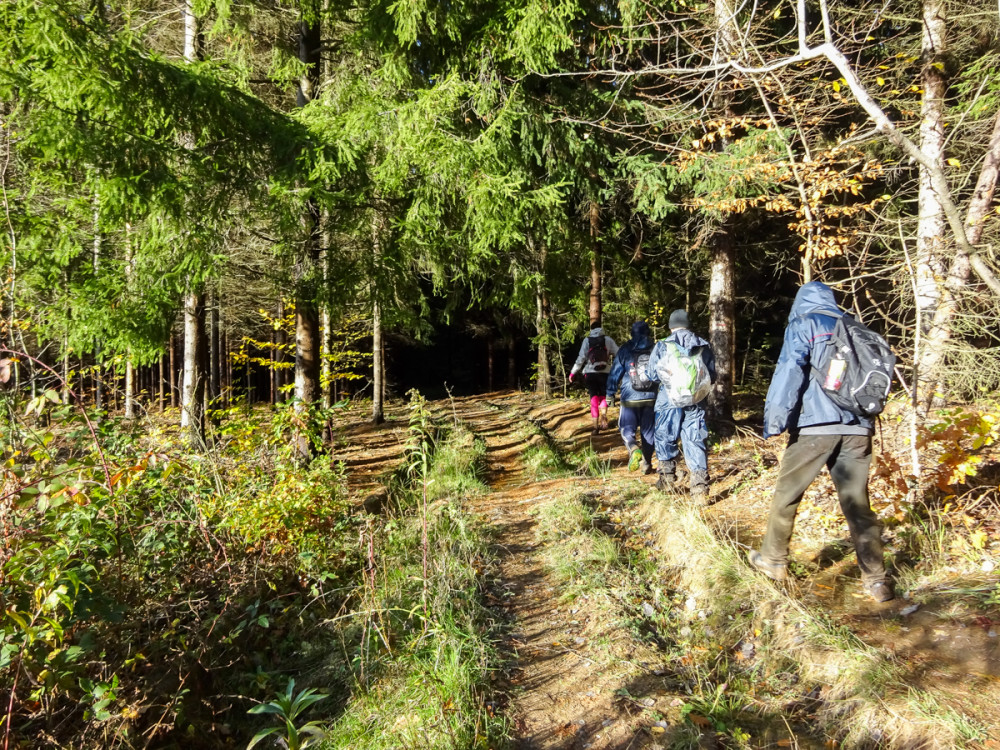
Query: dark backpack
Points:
[854, 368]
[638, 370]
[598, 352]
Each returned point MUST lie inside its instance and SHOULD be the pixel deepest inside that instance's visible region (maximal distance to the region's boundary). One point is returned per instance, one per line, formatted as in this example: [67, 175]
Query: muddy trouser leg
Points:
[849, 471]
[694, 434]
[804, 458]
[647, 431]
[667, 430]
[628, 422]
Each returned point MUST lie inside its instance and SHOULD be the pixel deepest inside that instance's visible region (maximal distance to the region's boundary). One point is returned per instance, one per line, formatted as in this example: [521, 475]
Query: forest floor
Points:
[603, 646]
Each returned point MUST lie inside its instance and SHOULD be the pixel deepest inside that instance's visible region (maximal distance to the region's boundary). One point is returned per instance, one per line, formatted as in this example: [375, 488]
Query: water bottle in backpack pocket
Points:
[638, 371]
[854, 368]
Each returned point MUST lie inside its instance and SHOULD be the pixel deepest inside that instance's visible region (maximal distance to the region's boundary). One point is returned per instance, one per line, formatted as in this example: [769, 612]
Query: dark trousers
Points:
[641, 419]
[848, 457]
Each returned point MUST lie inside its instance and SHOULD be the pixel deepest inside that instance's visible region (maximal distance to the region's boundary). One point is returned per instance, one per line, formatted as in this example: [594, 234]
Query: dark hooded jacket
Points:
[795, 400]
[642, 338]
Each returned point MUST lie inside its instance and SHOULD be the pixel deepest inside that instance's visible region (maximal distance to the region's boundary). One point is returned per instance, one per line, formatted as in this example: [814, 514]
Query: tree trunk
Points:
[595, 263]
[96, 262]
[543, 384]
[130, 385]
[490, 357]
[193, 382]
[307, 328]
[722, 324]
[160, 389]
[511, 347]
[214, 354]
[173, 372]
[193, 389]
[378, 361]
[929, 265]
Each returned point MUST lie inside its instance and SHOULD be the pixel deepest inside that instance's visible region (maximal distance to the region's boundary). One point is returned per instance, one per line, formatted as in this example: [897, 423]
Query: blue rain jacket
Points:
[794, 399]
[642, 338]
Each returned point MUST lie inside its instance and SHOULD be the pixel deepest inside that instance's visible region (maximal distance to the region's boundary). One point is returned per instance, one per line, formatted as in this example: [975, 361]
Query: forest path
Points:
[566, 660]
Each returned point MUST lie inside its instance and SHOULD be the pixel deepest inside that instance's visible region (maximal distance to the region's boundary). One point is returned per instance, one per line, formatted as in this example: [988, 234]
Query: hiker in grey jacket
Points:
[636, 413]
[686, 423]
[819, 434]
[596, 354]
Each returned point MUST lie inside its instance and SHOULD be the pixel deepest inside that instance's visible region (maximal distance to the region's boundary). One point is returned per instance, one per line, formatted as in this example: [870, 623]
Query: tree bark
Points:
[173, 372]
[378, 361]
[722, 323]
[307, 328]
[543, 384]
[929, 265]
[193, 383]
[595, 307]
[193, 388]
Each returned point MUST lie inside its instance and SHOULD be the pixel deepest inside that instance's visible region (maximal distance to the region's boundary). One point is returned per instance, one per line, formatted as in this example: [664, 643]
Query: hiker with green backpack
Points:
[684, 365]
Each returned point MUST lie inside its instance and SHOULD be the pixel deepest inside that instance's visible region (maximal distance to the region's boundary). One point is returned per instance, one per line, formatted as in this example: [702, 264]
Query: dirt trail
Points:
[566, 660]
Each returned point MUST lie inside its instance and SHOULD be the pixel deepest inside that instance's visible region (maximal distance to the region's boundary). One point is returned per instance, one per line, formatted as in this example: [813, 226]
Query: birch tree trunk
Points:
[193, 387]
[930, 264]
[130, 389]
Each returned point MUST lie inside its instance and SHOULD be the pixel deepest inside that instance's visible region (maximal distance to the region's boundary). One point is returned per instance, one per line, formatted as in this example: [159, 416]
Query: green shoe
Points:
[634, 459]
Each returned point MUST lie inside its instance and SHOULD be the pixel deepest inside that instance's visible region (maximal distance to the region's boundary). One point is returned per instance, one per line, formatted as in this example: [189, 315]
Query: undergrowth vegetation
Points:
[154, 595]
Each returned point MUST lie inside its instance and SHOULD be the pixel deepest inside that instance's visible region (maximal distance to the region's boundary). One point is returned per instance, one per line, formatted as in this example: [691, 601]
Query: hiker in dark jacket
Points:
[686, 423]
[636, 412]
[596, 353]
[819, 434]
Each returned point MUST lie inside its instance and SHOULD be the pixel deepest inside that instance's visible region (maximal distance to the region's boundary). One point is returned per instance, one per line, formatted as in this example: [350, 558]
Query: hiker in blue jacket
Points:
[638, 394]
[686, 423]
[819, 434]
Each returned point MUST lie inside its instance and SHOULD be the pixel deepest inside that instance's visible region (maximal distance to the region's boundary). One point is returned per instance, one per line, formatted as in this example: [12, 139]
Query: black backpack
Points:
[638, 370]
[854, 368]
[598, 352]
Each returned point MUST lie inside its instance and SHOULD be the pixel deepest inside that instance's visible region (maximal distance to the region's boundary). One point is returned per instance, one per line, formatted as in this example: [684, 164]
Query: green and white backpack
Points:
[684, 374]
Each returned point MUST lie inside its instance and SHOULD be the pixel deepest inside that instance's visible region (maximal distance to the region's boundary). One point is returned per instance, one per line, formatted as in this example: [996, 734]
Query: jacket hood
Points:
[814, 297]
[641, 334]
[596, 332]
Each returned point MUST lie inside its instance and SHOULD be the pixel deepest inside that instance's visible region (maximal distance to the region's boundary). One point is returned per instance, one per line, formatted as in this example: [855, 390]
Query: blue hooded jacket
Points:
[686, 340]
[794, 399]
[642, 338]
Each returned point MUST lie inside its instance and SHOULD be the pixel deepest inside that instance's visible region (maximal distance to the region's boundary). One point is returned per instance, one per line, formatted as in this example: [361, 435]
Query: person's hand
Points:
[571, 376]
[611, 400]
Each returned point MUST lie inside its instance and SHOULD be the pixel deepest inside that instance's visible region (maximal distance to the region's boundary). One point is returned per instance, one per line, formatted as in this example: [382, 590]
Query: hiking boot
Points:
[699, 495]
[880, 591]
[666, 482]
[646, 467]
[775, 571]
[634, 459]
